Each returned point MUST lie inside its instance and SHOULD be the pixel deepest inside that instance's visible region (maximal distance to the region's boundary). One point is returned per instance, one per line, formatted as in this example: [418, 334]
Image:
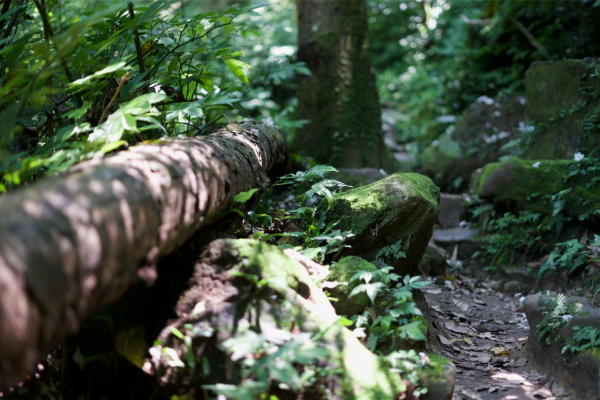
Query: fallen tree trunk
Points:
[71, 244]
[254, 322]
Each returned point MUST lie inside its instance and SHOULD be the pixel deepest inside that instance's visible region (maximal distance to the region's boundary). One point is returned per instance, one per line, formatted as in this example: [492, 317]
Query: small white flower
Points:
[535, 164]
[567, 317]
[578, 156]
[359, 333]
[522, 299]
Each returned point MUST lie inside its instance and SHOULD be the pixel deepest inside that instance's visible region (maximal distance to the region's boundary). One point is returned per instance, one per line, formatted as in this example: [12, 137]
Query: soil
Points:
[484, 333]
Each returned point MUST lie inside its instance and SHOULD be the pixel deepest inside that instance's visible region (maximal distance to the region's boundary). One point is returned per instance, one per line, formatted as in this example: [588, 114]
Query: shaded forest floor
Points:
[484, 333]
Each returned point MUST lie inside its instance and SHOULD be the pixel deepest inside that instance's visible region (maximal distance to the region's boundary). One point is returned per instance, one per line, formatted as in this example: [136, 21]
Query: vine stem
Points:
[138, 45]
[41, 6]
[112, 100]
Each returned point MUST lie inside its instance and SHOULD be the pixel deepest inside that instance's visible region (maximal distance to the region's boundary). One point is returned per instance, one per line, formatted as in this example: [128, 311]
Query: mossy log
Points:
[70, 244]
[250, 304]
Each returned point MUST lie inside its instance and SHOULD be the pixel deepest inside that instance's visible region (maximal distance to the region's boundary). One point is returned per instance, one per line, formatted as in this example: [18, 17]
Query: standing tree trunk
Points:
[72, 243]
[340, 98]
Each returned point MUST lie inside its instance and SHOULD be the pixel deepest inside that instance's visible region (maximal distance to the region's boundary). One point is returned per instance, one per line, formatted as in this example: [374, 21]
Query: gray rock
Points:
[434, 260]
[512, 287]
[454, 235]
[464, 238]
[452, 210]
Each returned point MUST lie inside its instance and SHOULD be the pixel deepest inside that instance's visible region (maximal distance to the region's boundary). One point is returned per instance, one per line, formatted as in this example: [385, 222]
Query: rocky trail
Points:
[484, 333]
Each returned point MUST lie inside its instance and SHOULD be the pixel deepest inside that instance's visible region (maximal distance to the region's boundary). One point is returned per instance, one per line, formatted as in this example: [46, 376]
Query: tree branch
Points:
[531, 38]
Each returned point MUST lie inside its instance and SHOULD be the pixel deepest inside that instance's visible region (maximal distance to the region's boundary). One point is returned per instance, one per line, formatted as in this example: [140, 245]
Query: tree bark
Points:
[340, 98]
[71, 244]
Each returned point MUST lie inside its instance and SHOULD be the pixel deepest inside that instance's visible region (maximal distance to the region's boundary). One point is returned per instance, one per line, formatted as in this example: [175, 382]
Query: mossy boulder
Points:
[400, 207]
[478, 138]
[342, 271]
[579, 369]
[528, 185]
[245, 292]
[488, 124]
[440, 379]
[559, 101]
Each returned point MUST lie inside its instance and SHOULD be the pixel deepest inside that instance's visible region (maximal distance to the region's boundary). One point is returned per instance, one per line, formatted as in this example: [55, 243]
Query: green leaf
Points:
[373, 341]
[372, 289]
[412, 331]
[237, 71]
[243, 197]
[143, 104]
[283, 371]
[150, 10]
[78, 112]
[8, 118]
[365, 275]
[177, 333]
[129, 122]
[110, 131]
[118, 67]
[345, 321]
[112, 146]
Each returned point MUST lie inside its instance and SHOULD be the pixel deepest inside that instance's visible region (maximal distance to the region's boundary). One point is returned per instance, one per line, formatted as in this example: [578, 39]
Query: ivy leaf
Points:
[412, 331]
[366, 275]
[371, 289]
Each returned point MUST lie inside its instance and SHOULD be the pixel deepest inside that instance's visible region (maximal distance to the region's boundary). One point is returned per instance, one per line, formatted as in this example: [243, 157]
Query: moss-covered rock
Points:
[488, 124]
[342, 271]
[578, 369]
[252, 292]
[555, 100]
[527, 185]
[399, 207]
[478, 138]
[440, 379]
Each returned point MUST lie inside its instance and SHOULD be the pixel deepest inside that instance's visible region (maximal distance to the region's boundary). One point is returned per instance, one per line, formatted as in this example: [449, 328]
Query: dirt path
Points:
[483, 333]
